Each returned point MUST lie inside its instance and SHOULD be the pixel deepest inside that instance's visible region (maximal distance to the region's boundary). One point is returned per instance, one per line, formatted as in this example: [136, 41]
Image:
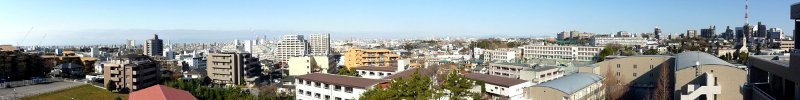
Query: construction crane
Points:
[26, 36]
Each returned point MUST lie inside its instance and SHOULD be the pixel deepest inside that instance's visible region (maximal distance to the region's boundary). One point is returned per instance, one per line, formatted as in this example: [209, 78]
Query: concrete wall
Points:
[729, 78]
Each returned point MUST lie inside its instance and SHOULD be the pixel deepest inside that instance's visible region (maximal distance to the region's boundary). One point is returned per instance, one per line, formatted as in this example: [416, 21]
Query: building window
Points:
[617, 65]
[327, 97]
[337, 98]
[617, 73]
[308, 93]
[316, 95]
[634, 75]
[348, 89]
[300, 91]
[337, 88]
[316, 84]
[634, 66]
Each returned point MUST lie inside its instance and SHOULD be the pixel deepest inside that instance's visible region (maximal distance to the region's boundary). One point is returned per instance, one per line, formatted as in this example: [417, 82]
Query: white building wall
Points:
[373, 74]
[515, 92]
[309, 91]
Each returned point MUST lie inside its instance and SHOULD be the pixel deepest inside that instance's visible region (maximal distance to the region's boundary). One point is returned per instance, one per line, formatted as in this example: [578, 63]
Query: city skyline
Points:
[104, 22]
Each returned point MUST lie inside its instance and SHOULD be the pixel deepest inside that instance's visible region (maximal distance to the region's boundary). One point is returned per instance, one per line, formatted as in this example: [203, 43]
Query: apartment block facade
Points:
[131, 72]
[369, 57]
[233, 68]
[291, 46]
[575, 53]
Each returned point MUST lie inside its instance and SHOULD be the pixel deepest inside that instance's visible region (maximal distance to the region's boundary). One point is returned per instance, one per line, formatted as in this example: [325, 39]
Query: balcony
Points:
[760, 94]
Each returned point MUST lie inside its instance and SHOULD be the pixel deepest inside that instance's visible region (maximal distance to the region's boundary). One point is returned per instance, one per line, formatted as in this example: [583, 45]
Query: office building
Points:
[291, 46]
[501, 88]
[728, 34]
[308, 64]
[574, 53]
[356, 57]
[578, 86]
[320, 44]
[775, 33]
[709, 33]
[657, 32]
[153, 47]
[691, 33]
[233, 68]
[131, 72]
[320, 86]
[761, 32]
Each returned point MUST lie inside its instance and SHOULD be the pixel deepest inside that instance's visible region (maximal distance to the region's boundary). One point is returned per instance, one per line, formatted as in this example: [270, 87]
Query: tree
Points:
[117, 98]
[743, 56]
[651, 52]
[110, 86]
[347, 71]
[415, 87]
[615, 89]
[662, 91]
[458, 86]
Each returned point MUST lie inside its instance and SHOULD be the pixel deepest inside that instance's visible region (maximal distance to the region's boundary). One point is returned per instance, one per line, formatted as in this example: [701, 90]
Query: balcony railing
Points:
[758, 93]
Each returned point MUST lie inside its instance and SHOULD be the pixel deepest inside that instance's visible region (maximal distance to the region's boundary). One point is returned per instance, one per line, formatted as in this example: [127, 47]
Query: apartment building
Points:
[501, 88]
[369, 57]
[534, 73]
[291, 46]
[233, 68]
[308, 64]
[578, 86]
[574, 53]
[501, 55]
[320, 44]
[153, 47]
[320, 86]
[686, 70]
[131, 72]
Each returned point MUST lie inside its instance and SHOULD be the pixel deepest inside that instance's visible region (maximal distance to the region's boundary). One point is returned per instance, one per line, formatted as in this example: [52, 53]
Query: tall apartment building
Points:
[369, 57]
[576, 53]
[291, 46]
[320, 44]
[708, 33]
[657, 32]
[692, 33]
[153, 47]
[131, 72]
[233, 68]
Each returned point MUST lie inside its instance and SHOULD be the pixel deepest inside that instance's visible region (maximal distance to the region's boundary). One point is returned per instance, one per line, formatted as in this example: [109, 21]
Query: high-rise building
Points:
[775, 33]
[233, 68]
[153, 47]
[131, 72]
[762, 31]
[709, 32]
[131, 43]
[691, 33]
[728, 35]
[658, 33]
[291, 46]
[320, 44]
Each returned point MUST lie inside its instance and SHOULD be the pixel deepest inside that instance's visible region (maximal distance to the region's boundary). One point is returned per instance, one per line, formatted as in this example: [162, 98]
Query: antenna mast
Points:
[746, 11]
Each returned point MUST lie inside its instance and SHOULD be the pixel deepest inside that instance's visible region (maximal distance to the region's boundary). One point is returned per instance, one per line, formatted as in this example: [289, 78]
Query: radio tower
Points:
[746, 11]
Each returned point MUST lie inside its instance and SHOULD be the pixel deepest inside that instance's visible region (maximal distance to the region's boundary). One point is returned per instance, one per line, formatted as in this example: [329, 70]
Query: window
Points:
[651, 66]
[634, 66]
[371, 73]
[326, 86]
[308, 93]
[327, 97]
[316, 95]
[617, 65]
[300, 91]
[300, 81]
[337, 98]
[348, 89]
[316, 84]
[617, 73]
[634, 75]
[337, 88]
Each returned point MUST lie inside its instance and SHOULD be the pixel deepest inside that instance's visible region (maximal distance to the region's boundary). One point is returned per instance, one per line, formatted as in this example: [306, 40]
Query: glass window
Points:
[348, 89]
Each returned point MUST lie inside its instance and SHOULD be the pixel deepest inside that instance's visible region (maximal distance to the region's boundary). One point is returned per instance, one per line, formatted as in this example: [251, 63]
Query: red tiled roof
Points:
[161, 92]
[496, 80]
[348, 81]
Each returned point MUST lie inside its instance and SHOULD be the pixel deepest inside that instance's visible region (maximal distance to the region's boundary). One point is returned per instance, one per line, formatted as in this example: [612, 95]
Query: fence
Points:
[29, 82]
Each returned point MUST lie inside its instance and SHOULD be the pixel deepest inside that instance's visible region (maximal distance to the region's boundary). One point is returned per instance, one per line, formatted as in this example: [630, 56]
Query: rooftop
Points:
[376, 68]
[161, 92]
[496, 80]
[572, 83]
[7, 48]
[348, 81]
[693, 58]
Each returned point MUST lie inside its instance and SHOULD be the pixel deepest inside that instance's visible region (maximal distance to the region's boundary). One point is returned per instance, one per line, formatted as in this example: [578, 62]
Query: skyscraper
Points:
[709, 32]
[728, 35]
[658, 33]
[762, 31]
[691, 33]
[320, 44]
[153, 47]
[291, 46]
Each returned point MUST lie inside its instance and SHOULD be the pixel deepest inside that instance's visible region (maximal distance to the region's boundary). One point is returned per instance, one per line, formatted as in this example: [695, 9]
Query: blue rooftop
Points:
[572, 83]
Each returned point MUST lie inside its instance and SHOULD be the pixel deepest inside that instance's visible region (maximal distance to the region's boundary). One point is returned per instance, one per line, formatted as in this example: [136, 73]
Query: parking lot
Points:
[30, 90]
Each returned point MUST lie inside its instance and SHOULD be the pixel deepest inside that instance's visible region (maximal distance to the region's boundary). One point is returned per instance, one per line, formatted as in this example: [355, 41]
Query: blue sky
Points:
[113, 21]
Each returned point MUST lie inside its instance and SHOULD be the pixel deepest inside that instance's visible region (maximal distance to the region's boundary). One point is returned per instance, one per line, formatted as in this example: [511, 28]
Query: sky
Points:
[86, 22]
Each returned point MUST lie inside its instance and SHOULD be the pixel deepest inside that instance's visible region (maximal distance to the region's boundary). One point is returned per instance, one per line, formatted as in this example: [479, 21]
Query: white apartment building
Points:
[534, 73]
[320, 44]
[576, 53]
[628, 41]
[320, 86]
[308, 64]
[500, 55]
[501, 88]
[291, 46]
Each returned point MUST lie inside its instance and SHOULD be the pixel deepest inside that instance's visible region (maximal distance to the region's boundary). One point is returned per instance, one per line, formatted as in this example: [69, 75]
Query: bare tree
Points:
[615, 89]
[661, 91]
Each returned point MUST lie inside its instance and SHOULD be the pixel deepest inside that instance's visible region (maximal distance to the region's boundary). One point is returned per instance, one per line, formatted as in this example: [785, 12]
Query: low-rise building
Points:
[575, 53]
[320, 86]
[308, 64]
[627, 41]
[372, 57]
[501, 55]
[578, 86]
[161, 92]
[501, 87]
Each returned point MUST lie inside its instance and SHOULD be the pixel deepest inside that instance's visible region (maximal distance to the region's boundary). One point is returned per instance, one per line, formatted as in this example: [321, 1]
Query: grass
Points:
[84, 92]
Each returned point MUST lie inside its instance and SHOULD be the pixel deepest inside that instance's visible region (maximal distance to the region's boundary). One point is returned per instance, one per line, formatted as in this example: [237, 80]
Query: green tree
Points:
[651, 52]
[110, 86]
[743, 56]
[347, 71]
[117, 98]
[416, 87]
[458, 86]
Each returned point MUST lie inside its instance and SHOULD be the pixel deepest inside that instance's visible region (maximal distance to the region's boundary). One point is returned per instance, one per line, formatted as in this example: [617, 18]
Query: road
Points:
[9, 93]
